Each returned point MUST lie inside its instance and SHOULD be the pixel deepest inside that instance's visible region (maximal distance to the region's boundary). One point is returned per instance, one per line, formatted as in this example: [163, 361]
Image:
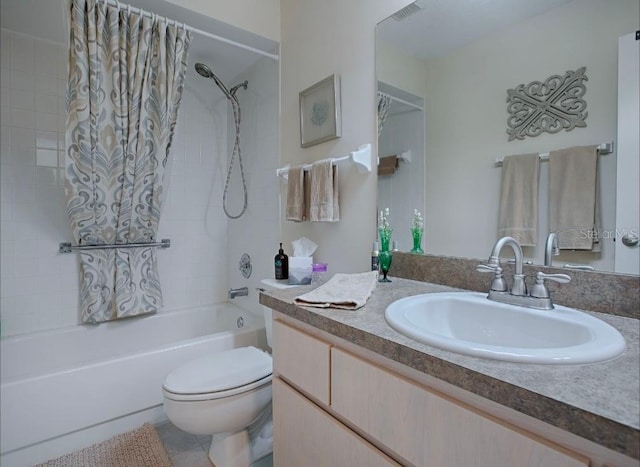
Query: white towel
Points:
[518, 212]
[344, 291]
[295, 195]
[324, 202]
[574, 211]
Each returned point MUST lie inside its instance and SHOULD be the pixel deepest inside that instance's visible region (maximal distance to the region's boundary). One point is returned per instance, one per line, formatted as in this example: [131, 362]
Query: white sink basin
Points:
[470, 324]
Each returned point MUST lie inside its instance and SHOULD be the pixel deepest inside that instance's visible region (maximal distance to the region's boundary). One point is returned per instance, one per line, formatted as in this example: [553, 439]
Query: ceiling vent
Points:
[409, 10]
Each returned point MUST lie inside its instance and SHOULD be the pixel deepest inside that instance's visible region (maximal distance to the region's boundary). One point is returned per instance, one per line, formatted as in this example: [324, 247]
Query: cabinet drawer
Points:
[302, 360]
[304, 434]
[428, 429]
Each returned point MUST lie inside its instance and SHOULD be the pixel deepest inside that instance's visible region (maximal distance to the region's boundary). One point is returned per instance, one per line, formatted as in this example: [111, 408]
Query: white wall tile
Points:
[46, 85]
[23, 100]
[23, 118]
[5, 115]
[47, 122]
[47, 157]
[22, 81]
[47, 55]
[47, 139]
[23, 137]
[23, 53]
[46, 103]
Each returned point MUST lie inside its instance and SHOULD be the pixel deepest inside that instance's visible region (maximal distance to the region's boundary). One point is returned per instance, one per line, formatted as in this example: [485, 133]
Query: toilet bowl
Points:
[226, 395]
[222, 395]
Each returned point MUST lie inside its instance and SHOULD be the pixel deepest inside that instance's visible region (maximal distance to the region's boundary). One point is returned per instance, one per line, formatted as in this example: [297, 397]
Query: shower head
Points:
[204, 70]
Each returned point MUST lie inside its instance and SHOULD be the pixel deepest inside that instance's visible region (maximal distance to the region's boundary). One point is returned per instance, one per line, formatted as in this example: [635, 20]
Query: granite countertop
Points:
[599, 401]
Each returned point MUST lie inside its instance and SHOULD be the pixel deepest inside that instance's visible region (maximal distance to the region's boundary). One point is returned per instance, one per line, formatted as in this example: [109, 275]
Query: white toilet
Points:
[227, 395]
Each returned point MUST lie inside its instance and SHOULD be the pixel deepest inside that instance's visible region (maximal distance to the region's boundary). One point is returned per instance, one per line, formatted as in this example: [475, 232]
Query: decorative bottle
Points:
[281, 263]
[375, 260]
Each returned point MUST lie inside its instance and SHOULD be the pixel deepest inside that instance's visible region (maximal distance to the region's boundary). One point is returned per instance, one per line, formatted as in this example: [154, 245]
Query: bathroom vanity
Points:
[349, 390]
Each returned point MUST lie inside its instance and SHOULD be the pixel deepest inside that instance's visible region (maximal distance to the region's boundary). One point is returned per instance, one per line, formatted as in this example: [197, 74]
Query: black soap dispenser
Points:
[281, 262]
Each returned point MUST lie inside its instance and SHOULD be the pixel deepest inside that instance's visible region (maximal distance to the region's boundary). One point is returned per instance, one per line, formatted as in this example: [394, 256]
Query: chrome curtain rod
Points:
[67, 247]
[140, 11]
[603, 148]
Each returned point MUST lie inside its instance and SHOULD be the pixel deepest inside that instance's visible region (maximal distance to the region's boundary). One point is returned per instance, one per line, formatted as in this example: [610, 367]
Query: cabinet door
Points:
[302, 360]
[305, 435]
[428, 429]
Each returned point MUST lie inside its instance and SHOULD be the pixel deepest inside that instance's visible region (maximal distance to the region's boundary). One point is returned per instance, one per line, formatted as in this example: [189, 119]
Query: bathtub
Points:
[64, 389]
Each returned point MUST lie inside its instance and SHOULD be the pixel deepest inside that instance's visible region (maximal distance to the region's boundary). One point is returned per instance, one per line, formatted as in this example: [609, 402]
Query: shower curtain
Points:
[384, 102]
[126, 75]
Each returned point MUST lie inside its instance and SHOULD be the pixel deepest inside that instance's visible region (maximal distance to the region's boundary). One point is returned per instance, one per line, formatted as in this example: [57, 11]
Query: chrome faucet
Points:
[539, 297]
[241, 292]
[551, 248]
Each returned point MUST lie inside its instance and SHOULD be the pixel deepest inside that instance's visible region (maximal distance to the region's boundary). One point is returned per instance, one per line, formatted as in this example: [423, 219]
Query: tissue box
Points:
[300, 270]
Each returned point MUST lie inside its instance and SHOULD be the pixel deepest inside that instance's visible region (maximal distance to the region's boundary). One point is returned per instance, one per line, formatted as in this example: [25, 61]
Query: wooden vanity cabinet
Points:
[333, 408]
[306, 435]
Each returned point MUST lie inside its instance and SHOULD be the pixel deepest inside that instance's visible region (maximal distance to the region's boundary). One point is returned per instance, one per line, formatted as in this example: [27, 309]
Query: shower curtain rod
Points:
[140, 11]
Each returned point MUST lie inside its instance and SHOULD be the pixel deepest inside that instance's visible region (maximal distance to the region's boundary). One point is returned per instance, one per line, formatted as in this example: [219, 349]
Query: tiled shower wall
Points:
[257, 231]
[39, 288]
[39, 285]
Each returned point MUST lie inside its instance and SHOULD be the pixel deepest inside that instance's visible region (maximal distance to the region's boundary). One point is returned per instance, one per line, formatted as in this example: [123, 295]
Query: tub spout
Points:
[241, 292]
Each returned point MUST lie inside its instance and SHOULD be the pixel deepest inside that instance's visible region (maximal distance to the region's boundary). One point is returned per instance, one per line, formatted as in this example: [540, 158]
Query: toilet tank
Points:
[271, 284]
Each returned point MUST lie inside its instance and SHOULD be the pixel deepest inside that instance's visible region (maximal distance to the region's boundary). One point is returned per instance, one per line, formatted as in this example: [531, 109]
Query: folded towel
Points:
[295, 195]
[387, 165]
[518, 212]
[324, 205]
[574, 211]
[344, 291]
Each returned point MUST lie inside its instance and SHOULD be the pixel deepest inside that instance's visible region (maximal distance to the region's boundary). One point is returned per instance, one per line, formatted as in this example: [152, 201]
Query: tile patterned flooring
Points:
[187, 450]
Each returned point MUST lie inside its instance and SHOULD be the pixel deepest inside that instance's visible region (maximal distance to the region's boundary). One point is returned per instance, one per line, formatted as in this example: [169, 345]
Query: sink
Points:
[470, 324]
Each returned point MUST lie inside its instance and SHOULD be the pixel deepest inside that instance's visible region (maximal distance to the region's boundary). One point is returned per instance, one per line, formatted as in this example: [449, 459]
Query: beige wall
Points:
[257, 16]
[401, 69]
[319, 38]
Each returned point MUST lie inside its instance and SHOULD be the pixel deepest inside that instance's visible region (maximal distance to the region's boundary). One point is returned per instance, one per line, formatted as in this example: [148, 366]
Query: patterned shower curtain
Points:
[126, 75]
[384, 102]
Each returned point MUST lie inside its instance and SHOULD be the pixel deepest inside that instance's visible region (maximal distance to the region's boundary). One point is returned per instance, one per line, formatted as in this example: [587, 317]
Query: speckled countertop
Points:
[599, 401]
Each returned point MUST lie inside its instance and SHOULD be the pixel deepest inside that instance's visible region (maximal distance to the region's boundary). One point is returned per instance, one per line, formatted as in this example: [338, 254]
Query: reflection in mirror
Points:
[401, 152]
[459, 59]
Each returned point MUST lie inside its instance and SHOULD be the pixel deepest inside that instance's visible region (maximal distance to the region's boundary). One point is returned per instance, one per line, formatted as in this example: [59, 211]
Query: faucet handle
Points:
[498, 284]
[539, 290]
[486, 268]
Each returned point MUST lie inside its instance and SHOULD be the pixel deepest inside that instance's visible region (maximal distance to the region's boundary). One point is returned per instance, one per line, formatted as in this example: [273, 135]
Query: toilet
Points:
[226, 395]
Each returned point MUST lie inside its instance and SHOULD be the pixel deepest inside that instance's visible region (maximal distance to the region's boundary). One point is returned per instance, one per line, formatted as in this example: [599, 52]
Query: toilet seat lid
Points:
[219, 371]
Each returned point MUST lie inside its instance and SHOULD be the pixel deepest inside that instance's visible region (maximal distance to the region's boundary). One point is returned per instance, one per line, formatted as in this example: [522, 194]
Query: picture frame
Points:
[320, 112]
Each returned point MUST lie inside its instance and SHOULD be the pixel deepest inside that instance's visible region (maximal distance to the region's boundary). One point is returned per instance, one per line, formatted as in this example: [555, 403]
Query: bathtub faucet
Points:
[241, 292]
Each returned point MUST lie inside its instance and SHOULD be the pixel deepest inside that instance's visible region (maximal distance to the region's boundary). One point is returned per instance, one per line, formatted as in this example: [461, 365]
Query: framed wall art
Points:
[320, 113]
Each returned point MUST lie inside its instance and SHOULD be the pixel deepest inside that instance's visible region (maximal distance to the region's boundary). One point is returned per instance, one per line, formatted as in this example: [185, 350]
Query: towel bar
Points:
[361, 157]
[67, 247]
[603, 148]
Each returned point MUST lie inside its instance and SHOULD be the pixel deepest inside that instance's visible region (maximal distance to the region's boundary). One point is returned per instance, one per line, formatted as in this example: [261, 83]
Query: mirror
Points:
[457, 60]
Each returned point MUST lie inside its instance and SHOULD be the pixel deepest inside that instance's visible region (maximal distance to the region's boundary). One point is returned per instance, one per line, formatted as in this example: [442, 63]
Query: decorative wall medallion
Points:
[551, 106]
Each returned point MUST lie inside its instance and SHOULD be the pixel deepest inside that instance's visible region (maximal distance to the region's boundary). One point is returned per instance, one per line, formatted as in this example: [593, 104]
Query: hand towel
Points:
[387, 165]
[343, 291]
[324, 206]
[574, 209]
[518, 211]
[295, 195]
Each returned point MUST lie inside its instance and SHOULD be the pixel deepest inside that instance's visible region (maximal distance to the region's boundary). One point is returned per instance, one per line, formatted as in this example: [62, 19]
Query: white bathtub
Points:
[64, 389]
